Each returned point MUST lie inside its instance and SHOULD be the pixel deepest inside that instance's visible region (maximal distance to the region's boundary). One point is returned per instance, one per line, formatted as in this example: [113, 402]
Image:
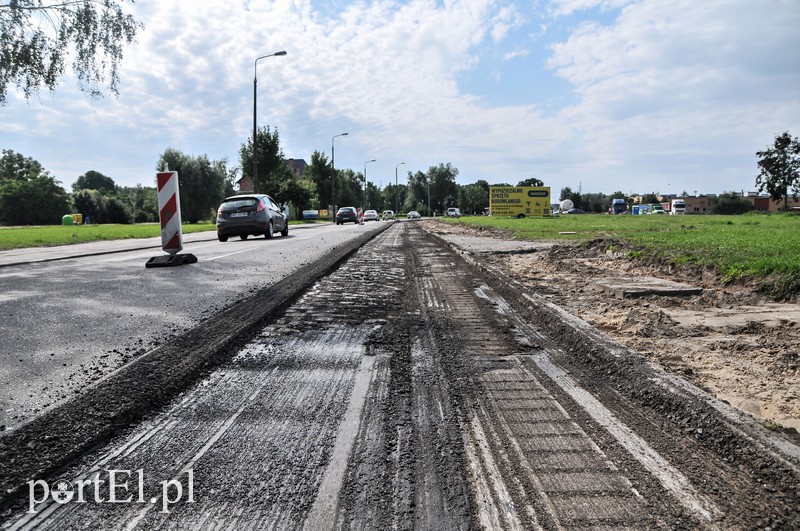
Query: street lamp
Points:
[255, 99]
[429, 198]
[365, 182]
[333, 178]
[396, 191]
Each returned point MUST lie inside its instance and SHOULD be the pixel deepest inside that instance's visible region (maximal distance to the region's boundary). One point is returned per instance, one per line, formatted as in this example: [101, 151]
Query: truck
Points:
[619, 206]
[519, 201]
[678, 207]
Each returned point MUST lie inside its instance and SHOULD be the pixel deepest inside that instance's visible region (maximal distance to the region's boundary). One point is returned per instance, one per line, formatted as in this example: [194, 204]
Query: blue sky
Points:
[599, 95]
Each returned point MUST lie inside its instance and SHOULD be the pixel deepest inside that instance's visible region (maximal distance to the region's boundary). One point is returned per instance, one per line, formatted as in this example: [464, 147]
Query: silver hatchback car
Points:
[252, 214]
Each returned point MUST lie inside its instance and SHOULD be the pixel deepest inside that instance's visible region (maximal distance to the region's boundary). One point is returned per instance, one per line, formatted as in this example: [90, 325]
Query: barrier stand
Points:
[169, 213]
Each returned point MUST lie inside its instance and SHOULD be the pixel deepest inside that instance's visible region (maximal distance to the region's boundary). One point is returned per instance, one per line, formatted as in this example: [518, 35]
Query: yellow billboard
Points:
[519, 201]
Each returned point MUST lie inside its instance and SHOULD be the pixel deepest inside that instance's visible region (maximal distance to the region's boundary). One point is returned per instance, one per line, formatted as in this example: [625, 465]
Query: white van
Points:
[453, 213]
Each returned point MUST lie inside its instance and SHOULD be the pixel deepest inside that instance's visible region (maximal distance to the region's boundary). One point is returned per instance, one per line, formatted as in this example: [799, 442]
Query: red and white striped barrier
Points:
[169, 212]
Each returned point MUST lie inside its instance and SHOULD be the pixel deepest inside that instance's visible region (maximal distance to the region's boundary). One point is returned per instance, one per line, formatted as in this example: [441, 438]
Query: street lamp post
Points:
[429, 198]
[255, 99]
[333, 177]
[365, 182]
[396, 191]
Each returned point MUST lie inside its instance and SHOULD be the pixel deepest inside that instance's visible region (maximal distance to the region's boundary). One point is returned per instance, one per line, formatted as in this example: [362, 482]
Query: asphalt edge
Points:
[46, 445]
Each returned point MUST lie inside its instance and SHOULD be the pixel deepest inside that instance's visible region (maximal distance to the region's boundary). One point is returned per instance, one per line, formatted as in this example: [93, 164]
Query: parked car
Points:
[657, 209]
[371, 215]
[453, 213]
[346, 215]
[413, 215]
[252, 214]
[388, 214]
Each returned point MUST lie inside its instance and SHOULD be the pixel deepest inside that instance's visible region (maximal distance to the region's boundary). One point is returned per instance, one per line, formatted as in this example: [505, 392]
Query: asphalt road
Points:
[410, 387]
[72, 315]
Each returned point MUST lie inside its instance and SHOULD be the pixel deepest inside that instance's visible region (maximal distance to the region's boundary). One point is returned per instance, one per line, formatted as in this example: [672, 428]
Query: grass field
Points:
[41, 236]
[751, 245]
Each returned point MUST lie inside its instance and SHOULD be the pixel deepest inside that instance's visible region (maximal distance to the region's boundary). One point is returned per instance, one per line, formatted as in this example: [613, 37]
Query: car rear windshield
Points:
[235, 204]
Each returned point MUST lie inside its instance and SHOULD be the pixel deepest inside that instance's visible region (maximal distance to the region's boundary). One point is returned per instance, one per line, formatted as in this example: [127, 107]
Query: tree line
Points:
[30, 195]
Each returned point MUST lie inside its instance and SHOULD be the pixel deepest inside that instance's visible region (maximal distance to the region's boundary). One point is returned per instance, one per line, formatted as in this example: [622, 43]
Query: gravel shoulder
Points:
[729, 340]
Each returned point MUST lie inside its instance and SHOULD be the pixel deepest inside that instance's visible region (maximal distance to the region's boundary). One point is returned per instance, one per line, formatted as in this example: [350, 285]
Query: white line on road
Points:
[200, 453]
[322, 515]
[670, 477]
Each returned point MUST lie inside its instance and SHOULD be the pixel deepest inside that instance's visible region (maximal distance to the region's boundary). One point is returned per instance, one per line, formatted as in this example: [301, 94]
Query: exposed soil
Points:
[731, 340]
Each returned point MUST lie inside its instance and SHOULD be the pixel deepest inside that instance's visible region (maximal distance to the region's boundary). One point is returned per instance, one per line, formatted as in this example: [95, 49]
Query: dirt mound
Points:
[733, 340]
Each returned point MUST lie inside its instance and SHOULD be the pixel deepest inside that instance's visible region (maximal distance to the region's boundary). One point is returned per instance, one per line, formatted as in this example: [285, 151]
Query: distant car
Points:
[453, 213]
[252, 214]
[575, 211]
[413, 215]
[388, 214]
[346, 215]
[657, 209]
[371, 215]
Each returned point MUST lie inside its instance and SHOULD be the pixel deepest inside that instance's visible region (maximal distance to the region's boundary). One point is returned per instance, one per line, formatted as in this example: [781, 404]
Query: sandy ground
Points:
[730, 340]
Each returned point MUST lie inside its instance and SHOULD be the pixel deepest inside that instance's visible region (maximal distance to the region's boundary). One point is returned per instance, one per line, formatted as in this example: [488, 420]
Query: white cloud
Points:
[658, 90]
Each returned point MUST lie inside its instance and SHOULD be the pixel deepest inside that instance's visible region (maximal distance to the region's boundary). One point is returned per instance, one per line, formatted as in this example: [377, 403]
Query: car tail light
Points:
[261, 207]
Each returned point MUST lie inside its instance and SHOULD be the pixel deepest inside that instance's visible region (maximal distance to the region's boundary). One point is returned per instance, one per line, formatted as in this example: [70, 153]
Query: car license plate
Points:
[238, 214]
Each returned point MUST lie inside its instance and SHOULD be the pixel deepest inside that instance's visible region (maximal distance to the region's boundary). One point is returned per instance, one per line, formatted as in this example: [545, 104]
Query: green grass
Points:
[752, 245]
[42, 236]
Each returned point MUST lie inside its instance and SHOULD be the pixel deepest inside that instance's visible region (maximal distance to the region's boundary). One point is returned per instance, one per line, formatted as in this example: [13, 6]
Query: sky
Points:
[638, 96]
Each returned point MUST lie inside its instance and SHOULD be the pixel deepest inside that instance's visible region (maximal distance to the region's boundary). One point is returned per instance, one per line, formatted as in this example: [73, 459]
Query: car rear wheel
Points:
[285, 231]
[222, 238]
[270, 232]
[243, 236]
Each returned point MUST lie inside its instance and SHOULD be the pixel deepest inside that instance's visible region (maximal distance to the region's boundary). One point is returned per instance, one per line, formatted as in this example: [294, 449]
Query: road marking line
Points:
[229, 254]
[487, 480]
[209, 443]
[322, 514]
[670, 477]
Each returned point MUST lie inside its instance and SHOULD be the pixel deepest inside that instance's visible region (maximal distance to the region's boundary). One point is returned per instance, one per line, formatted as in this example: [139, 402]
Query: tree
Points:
[271, 162]
[142, 201]
[321, 173]
[730, 204]
[444, 191]
[201, 183]
[595, 202]
[472, 198]
[15, 166]
[89, 203]
[531, 182]
[29, 195]
[575, 197]
[780, 169]
[94, 180]
[40, 200]
[39, 39]
[650, 199]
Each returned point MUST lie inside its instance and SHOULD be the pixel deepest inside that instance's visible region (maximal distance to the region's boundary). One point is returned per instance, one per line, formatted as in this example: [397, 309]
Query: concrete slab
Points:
[484, 244]
[640, 286]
